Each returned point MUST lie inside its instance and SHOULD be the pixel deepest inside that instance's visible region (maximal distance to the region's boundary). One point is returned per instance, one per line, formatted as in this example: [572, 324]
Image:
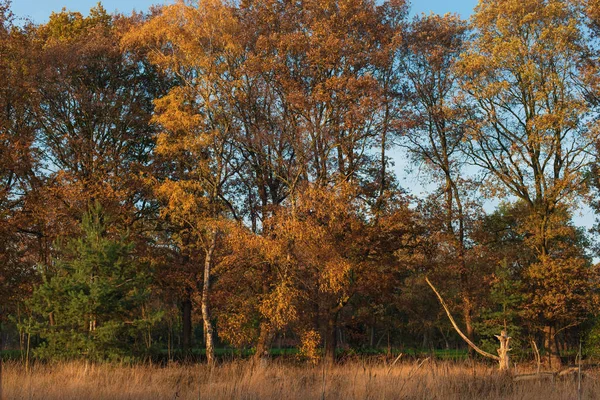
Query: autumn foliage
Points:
[214, 174]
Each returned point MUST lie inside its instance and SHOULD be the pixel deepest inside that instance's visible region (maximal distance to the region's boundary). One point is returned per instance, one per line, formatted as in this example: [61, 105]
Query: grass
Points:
[229, 354]
[360, 379]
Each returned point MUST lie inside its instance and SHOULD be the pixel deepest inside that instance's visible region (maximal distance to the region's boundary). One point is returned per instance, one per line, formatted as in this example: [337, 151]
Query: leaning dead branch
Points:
[502, 356]
[538, 358]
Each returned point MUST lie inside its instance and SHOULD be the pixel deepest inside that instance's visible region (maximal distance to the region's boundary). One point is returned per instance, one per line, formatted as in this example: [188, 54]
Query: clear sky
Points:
[39, 10]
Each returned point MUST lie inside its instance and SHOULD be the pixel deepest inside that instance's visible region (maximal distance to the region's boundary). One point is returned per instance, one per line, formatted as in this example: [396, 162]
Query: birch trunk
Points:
[206, 311]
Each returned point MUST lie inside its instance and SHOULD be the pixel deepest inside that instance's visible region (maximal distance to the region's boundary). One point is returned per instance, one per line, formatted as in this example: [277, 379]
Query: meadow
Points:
[357, 379]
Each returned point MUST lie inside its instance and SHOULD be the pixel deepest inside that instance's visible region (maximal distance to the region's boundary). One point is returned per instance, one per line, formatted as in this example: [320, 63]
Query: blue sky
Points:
[39, 10]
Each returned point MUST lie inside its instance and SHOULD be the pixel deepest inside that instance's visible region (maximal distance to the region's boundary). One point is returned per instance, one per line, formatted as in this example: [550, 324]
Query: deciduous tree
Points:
[530, 131]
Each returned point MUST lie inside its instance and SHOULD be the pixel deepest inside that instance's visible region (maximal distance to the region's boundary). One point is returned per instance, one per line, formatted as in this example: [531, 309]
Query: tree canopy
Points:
[229, 166]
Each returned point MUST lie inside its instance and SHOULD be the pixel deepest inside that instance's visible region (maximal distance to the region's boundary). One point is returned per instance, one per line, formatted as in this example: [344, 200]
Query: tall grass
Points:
[280, 380]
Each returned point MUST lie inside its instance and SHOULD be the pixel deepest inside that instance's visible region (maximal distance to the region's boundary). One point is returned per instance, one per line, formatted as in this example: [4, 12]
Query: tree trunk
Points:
[503, 362]
[551, 348]
[425, 342]
[206, 311]
[186, 317]
[264, 342]
[331, 338]
[266, 332]
[445, 337]
[468, 322]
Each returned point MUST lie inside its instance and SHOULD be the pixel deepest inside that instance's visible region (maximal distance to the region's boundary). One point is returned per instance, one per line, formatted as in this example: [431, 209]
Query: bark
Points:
[389, 344]
[206, 309]
[266, 331]
[331, 338]
[445, 337]
[425, 343]
[264, 341]
[551, 348]
[186, 317]
[467, 314]
[504, 362]
[382, 172]
[469, 324]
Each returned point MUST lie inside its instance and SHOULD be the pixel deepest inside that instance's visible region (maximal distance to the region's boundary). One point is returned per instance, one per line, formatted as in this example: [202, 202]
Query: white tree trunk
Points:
[206, 311]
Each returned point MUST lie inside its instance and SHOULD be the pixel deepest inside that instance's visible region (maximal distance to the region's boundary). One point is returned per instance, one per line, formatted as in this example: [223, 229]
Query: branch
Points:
[462, 335]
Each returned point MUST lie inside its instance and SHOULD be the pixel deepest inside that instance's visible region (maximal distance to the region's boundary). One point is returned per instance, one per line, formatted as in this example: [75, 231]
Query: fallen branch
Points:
[550, 374]
[536, 376]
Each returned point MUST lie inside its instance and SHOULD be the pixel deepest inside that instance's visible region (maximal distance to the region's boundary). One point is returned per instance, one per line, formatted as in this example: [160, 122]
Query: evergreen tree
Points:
[96, 303]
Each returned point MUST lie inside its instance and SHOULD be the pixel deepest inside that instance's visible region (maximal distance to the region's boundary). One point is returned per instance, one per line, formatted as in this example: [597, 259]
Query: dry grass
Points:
[241, 380]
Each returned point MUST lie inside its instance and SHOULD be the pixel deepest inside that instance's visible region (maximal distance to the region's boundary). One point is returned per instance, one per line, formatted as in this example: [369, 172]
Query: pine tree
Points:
[96, 303]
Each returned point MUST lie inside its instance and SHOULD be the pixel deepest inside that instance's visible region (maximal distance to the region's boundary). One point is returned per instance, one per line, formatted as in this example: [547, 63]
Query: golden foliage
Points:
[309, 347]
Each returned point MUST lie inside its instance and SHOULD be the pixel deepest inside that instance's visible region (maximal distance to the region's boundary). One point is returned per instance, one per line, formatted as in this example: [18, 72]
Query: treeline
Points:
[220, 174]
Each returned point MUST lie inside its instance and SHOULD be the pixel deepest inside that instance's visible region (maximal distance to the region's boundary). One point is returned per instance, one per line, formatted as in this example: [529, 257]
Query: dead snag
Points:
[502, 357]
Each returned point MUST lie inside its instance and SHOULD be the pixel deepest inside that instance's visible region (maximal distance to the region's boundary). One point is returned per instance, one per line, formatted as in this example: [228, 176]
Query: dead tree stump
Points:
[503, 351]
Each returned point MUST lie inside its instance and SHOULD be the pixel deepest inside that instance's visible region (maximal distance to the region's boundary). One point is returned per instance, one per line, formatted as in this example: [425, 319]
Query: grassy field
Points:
[369, 379]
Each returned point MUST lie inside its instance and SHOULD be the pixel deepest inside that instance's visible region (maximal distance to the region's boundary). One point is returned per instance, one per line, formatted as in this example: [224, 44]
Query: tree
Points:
[260, 270]
[527, 292]
[322, 74]
[338, 257]
[97, 303]
[87, 111]
[234, 157]
[279, 107]
[195, 45]
[434, 136]
[19, 162]
[94, 102]
[499, 236]
[529, 129]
